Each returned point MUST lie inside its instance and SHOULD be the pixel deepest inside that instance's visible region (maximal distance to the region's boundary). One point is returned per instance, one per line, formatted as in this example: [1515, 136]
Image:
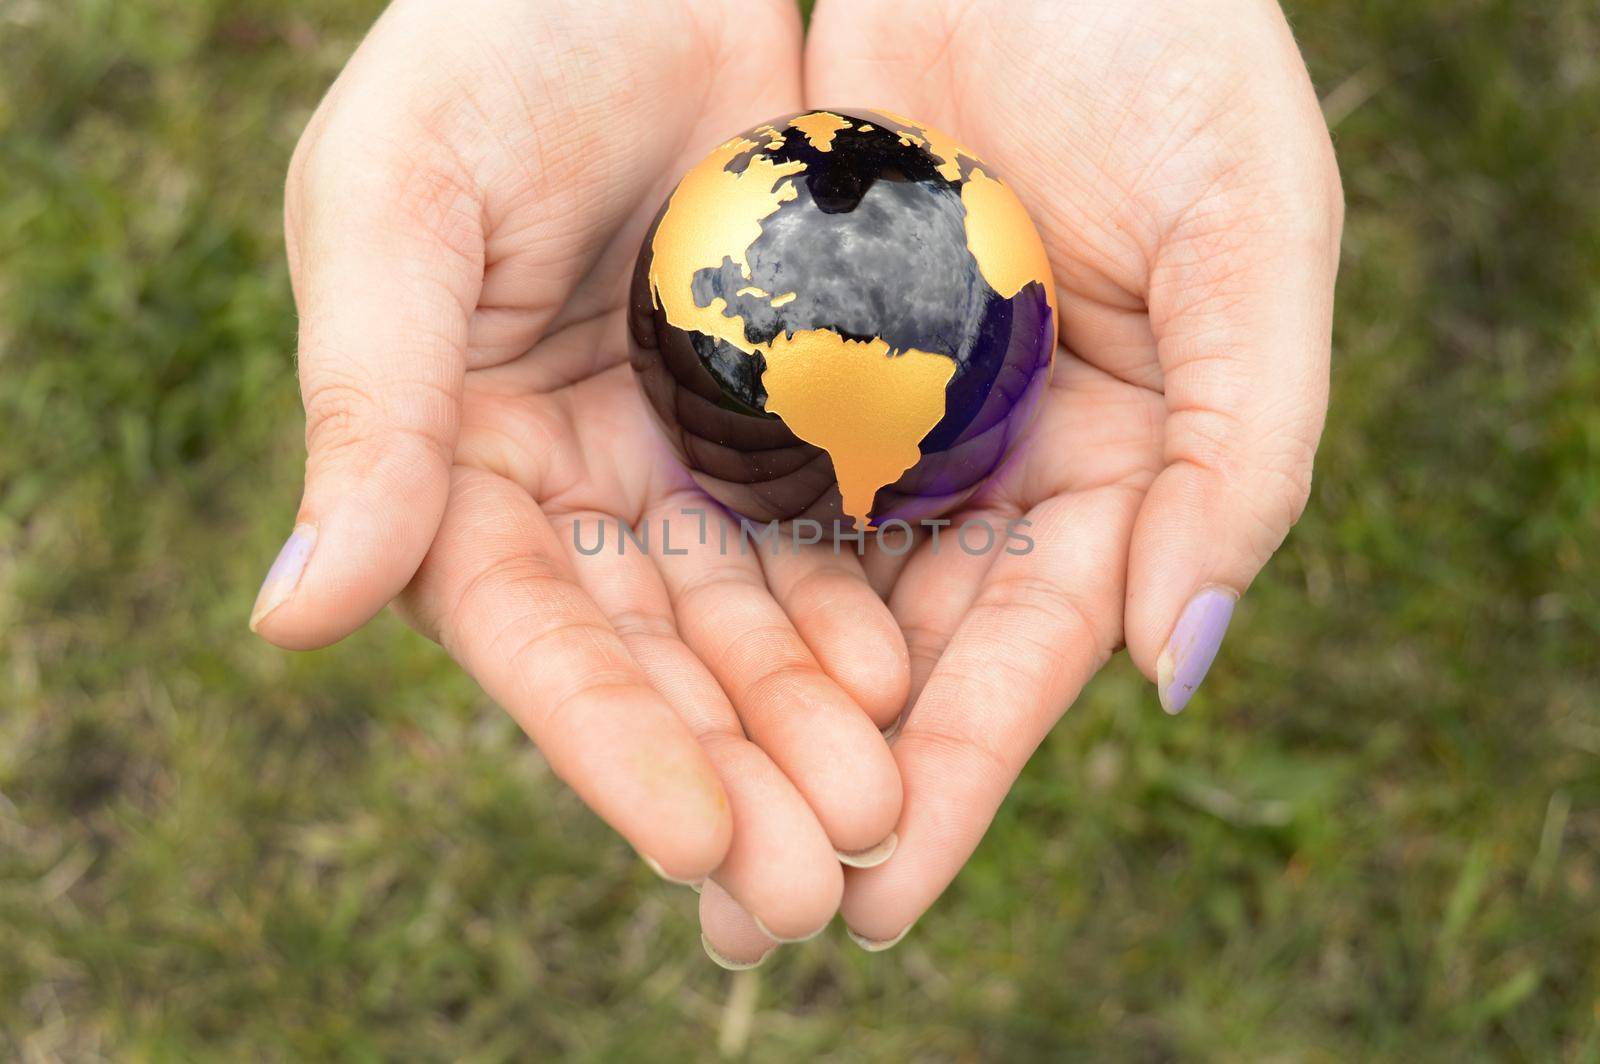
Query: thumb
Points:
[386, 253]
[1242, 312]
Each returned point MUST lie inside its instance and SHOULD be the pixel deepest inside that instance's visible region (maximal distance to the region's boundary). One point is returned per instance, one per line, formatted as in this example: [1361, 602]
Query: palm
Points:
[1165, 194]
[560, 436]
[460, 235]
[1096, 444]
[1092, 449]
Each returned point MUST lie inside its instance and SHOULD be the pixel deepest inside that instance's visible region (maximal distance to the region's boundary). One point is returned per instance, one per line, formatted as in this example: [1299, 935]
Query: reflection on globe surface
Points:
[842, 317]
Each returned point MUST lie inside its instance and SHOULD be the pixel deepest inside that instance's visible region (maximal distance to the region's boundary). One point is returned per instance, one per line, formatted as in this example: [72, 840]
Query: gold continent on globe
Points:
[842, 316]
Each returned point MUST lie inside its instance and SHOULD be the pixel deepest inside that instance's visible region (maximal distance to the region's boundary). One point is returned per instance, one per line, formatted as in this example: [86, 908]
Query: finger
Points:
[1111, 429]
[847, 626]
[499, 594]
[823, 741]
[934, 591]
[1241, 304]
[882, 567]
[387, 258]
[730, 936]
[1039, 628]
[780, 865]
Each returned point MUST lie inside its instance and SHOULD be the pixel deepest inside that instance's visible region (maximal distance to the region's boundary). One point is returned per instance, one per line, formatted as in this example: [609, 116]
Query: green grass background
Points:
[1376, 835]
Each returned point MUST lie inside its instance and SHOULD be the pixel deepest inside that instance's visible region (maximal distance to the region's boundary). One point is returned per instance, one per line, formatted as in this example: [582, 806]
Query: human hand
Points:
[1177, 164]
[462, 215]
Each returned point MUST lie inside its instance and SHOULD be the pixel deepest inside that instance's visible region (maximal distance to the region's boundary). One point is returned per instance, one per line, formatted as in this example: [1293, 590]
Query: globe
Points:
[846, 317]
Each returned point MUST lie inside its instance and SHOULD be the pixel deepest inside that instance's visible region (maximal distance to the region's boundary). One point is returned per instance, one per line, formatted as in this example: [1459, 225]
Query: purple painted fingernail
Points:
[284, 576]
[1193, 646]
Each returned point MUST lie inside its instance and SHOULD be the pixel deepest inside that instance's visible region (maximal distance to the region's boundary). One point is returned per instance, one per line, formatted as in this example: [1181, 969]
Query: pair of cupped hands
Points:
[812, 732]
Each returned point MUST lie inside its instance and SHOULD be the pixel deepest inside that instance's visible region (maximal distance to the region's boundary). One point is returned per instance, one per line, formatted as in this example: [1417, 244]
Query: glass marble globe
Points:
[846, 317]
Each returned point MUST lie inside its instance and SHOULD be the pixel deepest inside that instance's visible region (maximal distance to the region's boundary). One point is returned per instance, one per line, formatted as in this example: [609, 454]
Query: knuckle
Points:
[823, 588]
[1334, 182]
[344, 414]
[1058, 615]
[482, 594]
[1207, 437]
[925, 643]
[714, 583]
[940, 744]
[339, 412]
[307, 146]
[1267, 474]
[530, 571]
[778, 683]
[297, 188]
[436, 198]
[643, 624]
[400, 179]
[1287, 489]
[1234, 446]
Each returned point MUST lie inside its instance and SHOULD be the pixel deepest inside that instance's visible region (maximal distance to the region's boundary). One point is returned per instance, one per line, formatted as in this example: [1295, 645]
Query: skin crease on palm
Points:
[461, 215]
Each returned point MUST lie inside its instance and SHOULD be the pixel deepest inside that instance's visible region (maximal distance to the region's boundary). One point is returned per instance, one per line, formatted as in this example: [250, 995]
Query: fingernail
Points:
[1193, 646]
[732, 966]
[872, 855]
[284, 576]
[779, 938]
[875, 945]
[655, 866]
